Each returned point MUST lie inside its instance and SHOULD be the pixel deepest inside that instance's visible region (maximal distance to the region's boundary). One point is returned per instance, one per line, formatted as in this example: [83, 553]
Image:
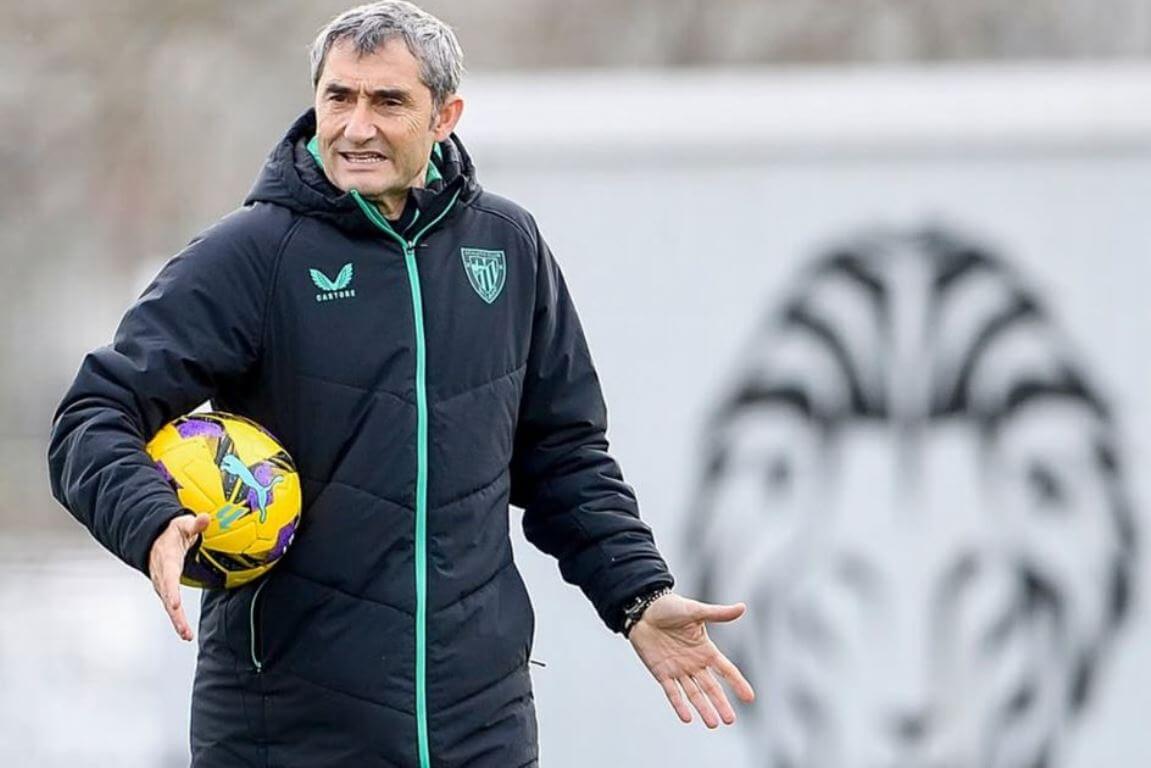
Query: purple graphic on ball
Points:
[282, 541]
[264, 474]
[199, 428]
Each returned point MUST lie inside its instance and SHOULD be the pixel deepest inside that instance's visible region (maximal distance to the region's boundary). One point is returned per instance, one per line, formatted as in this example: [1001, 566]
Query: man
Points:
[444, 378]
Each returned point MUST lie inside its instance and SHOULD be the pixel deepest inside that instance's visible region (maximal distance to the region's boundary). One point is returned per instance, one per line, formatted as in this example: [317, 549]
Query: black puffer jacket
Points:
[446, 378]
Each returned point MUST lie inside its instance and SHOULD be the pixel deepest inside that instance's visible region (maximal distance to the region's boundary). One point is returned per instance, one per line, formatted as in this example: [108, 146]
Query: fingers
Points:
[675, 698]
[166, 563]
[734, 678]
[167, 582]
[716, 696]
[699, 701]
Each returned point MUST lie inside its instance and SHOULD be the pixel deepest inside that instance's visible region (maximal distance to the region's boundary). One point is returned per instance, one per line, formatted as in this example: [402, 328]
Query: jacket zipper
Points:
[259, 665]
[421, 558]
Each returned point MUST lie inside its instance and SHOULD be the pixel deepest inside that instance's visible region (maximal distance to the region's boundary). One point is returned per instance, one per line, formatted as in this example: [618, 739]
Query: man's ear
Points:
[447, 116]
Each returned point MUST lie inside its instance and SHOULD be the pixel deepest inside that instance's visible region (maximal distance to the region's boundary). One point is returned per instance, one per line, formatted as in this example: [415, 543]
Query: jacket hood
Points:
[292, 178]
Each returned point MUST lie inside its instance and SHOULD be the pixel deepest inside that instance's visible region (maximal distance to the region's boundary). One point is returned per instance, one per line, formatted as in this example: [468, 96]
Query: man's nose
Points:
[359, 128]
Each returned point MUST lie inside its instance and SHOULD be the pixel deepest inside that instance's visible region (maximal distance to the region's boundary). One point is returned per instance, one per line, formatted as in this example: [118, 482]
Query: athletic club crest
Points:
[486, 271]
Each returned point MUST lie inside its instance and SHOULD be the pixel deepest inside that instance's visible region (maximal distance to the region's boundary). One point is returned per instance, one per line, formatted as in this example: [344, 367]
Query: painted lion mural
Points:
[920, 492]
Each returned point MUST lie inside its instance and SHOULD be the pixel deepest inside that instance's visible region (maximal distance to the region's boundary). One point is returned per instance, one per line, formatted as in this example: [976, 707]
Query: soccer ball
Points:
[230, 468]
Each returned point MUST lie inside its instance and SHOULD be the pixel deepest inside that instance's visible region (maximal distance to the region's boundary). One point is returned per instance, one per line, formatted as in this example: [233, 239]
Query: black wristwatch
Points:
[633, 611]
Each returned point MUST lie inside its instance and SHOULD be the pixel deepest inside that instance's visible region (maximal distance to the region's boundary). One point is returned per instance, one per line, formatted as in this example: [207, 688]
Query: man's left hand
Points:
[671, 639]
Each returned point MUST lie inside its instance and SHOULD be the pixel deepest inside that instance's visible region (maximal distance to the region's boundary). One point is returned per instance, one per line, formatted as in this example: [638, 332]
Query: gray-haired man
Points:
[447, 379]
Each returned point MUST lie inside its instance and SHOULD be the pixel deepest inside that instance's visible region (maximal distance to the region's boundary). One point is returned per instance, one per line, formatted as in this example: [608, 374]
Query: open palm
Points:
[672, 641]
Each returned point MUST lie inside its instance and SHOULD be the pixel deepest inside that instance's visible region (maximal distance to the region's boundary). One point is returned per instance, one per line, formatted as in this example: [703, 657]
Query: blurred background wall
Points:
[138, 123]
[777, 130]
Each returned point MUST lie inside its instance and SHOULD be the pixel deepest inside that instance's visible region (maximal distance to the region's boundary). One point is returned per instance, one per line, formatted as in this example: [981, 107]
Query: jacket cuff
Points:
[612, 612]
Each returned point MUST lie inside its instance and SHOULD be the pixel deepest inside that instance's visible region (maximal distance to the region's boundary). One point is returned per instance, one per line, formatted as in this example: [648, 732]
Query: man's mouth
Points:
[363, 158]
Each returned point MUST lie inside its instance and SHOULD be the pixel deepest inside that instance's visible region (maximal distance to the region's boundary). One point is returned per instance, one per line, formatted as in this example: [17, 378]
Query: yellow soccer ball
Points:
[230, 468]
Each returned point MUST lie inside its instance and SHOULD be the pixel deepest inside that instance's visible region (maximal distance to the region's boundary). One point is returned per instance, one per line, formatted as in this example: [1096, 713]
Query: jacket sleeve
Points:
[576, 504]
[196, 326]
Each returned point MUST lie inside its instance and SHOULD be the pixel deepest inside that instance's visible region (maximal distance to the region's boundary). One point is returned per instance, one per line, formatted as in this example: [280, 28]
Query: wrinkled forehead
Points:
[391, 65]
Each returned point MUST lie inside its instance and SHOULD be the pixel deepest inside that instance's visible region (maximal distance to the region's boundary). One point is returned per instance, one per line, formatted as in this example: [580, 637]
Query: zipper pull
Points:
[538, 663]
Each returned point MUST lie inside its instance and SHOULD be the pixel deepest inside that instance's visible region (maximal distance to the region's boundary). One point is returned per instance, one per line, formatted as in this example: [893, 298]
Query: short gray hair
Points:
[430, 41]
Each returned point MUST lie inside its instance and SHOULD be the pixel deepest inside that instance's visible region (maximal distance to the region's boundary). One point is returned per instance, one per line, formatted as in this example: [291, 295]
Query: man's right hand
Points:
[166, 563]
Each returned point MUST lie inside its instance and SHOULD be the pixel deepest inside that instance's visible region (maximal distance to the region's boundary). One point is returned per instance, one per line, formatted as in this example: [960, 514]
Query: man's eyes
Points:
[341, 98]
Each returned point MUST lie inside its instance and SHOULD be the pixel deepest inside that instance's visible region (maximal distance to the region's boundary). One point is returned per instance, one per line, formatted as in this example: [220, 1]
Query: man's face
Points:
[374, 120]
